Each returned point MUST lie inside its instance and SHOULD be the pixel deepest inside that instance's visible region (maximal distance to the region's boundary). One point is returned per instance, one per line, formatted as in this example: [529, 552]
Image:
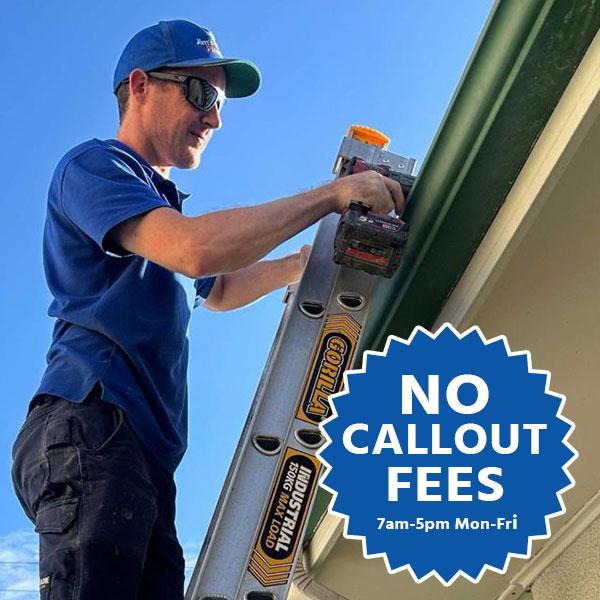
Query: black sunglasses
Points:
[200, 93]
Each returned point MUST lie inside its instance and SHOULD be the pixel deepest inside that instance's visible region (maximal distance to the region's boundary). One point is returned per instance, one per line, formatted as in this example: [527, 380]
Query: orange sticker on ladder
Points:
[272, 558]
[333, 355]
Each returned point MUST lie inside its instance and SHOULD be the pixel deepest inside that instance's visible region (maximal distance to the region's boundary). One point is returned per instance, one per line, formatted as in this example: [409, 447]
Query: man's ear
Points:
[138, 84]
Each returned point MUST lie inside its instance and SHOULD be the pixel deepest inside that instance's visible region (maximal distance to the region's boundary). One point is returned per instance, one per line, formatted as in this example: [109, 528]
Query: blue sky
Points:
[390, 65]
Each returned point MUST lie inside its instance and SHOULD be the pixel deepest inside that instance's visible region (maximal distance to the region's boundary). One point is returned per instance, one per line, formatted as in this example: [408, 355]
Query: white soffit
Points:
[573, 117]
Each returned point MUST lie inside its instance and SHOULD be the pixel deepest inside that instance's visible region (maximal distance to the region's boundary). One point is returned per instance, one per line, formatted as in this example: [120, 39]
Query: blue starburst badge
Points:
[447, 454]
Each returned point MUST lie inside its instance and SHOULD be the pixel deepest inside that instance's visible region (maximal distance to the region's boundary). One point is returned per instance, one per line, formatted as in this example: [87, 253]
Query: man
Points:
[94, 461]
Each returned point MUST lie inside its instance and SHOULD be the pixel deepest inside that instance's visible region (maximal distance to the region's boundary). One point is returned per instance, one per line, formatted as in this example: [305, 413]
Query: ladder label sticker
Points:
[447, 454]
[273, 554]
[333, 355]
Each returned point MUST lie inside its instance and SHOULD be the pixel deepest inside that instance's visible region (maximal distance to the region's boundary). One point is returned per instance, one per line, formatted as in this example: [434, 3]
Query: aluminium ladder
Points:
[254, 538]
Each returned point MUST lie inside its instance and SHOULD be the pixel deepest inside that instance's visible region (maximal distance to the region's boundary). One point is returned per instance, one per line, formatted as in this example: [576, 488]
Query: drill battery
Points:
[369, 242]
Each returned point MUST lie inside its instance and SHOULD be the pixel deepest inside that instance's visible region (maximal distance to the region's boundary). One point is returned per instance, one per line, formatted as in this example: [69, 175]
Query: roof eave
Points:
[520, 67]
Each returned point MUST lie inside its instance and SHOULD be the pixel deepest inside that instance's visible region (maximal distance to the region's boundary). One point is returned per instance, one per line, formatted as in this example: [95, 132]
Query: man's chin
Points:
[189, 161]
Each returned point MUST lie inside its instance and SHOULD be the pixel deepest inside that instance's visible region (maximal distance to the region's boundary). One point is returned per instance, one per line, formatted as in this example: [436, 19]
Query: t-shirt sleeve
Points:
[203, 289]
[100, 190]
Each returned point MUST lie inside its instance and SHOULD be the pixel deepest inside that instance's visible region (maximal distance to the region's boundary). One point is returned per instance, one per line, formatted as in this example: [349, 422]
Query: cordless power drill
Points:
[363, 240]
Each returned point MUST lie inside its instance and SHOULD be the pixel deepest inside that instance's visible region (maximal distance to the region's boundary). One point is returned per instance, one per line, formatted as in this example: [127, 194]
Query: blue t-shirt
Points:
[121, 321]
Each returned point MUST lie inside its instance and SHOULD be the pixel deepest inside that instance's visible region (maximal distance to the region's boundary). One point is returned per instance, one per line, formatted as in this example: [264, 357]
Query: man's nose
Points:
[212, 117]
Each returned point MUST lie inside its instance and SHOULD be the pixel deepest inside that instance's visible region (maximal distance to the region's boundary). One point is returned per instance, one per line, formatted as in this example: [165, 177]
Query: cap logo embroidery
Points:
[210, 45]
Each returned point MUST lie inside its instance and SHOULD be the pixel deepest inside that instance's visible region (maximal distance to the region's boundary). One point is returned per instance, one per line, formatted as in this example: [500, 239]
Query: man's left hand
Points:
[300, 259]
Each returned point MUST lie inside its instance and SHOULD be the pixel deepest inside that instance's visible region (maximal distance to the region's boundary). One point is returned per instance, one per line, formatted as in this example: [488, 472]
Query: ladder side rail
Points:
[222, 554]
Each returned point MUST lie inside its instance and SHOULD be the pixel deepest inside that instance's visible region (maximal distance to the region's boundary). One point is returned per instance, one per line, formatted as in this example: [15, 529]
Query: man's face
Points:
[179, 132]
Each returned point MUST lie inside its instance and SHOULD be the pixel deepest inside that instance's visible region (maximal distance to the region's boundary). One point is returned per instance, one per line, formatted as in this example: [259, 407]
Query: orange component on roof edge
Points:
[368, 135]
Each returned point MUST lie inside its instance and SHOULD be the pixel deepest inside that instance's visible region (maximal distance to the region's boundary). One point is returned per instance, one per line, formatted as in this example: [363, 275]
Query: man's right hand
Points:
[227, 240]
[381, 193]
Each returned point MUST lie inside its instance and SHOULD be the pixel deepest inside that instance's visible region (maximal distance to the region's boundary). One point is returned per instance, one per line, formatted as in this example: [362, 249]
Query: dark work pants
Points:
[104, 509]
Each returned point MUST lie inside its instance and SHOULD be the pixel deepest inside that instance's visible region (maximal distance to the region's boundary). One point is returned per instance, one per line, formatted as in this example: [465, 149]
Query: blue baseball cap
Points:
[184, 44]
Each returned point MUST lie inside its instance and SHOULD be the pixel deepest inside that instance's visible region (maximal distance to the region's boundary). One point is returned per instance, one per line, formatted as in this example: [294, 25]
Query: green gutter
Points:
[521, 65]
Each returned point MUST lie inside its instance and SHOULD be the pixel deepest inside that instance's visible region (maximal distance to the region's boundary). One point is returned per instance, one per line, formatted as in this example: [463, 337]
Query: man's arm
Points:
[229, 240]
[241, 287]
